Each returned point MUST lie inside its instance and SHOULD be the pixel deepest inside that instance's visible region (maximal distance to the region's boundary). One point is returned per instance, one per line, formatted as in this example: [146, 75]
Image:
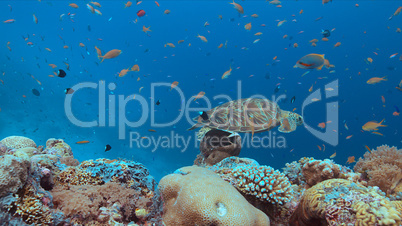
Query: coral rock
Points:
[57, 147]
[18, 142]
[342, 202]
[14, 172]
[3, 149]
[217, 145]
[315, 171]
[197, 196]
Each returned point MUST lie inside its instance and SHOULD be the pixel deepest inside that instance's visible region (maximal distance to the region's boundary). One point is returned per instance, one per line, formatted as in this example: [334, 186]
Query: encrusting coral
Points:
[197, 196]
[339, 201]
[14, 173]
[383, 168]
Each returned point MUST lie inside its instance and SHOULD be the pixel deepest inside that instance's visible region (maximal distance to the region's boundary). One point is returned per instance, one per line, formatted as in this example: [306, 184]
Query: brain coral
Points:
[263, 182]
[383, 167]
[14, 172]
[18, 142]
[339, 201]
[197, 196]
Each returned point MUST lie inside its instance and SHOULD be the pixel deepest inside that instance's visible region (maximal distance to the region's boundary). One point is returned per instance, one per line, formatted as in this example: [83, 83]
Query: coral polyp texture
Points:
[197, 196]
[17, 142]
[383, 168]
[264, 183]
[342, 202]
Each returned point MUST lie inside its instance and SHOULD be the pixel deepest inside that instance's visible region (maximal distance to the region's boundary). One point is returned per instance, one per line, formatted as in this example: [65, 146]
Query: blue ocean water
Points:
[198, 67]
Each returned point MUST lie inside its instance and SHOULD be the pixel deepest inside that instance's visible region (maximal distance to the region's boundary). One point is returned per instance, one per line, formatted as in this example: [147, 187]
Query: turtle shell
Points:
[244, 115]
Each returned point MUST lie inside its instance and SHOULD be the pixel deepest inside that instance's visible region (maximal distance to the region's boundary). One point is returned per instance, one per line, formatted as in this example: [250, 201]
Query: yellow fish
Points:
[373, 125]
[227, 73]
[375, 80]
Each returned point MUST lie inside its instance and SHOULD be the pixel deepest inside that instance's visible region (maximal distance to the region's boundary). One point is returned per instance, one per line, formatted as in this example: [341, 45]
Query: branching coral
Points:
[339, 201]
[264, 183]
[17, 142]
[197, 196]
[383, 168]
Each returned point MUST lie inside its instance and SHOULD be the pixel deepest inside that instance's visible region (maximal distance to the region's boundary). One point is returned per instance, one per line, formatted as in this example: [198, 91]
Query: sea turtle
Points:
[247, 115]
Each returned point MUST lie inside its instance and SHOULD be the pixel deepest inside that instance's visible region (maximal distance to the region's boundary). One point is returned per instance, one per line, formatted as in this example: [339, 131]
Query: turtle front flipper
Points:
[289, 121]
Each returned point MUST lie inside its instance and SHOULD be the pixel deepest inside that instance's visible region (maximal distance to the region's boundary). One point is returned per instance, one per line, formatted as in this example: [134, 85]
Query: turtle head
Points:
[289, 121]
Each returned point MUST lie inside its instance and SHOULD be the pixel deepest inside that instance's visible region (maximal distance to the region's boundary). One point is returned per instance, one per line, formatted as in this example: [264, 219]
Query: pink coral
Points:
[382, 167]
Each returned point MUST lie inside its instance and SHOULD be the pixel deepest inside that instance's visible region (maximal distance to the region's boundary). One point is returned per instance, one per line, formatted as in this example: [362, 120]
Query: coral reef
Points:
[57, 147]
[110, 203]
[197, 196]
[14, 173]
[217, 145]
[382, 168]
[315, 171]
[17, 142]
[339, 201]
[264, 183]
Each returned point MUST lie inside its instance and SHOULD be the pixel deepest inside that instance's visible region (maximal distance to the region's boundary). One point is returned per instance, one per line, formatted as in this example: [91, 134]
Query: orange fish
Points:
[170, 45]
[378, 133]
[220, 46]
[254, 15]
[128, 4]
[73, 5]
[326, 1]
[123, 72]
[325, 39]
[395, 113]
[157, 4]
[258, 33]
[82, 142]
[301, 11]
[96, 4]
[152, 130]
[311, 61]
[351, 160]
[311, 88]
[280, 23]
[173, 85]
[238, 7]
[285, 36]
[322, 125]
[227, 73]
[383, 99]
[337, 44]
[65, 47]
[98, 52]
[53, 65]
[333, 156]
[398, 10]
[202, 38]
[135, 68]
[275, 2]
[180, 41]
[91, 8]
[319, 147]
[81, 44]
[375, 80]
[247, 26]
[295, 45]
[199, 95]
[367, 148]
[373, 125]
[145, 29]
[370, 60]
[111, 54]
[348, 137]
[166, 12]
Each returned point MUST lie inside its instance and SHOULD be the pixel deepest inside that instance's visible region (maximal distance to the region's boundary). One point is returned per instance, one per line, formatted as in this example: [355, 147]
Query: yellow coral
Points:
[330, 199]
[18, 142]
[77, 176]
[29, 207]
[141, 213]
